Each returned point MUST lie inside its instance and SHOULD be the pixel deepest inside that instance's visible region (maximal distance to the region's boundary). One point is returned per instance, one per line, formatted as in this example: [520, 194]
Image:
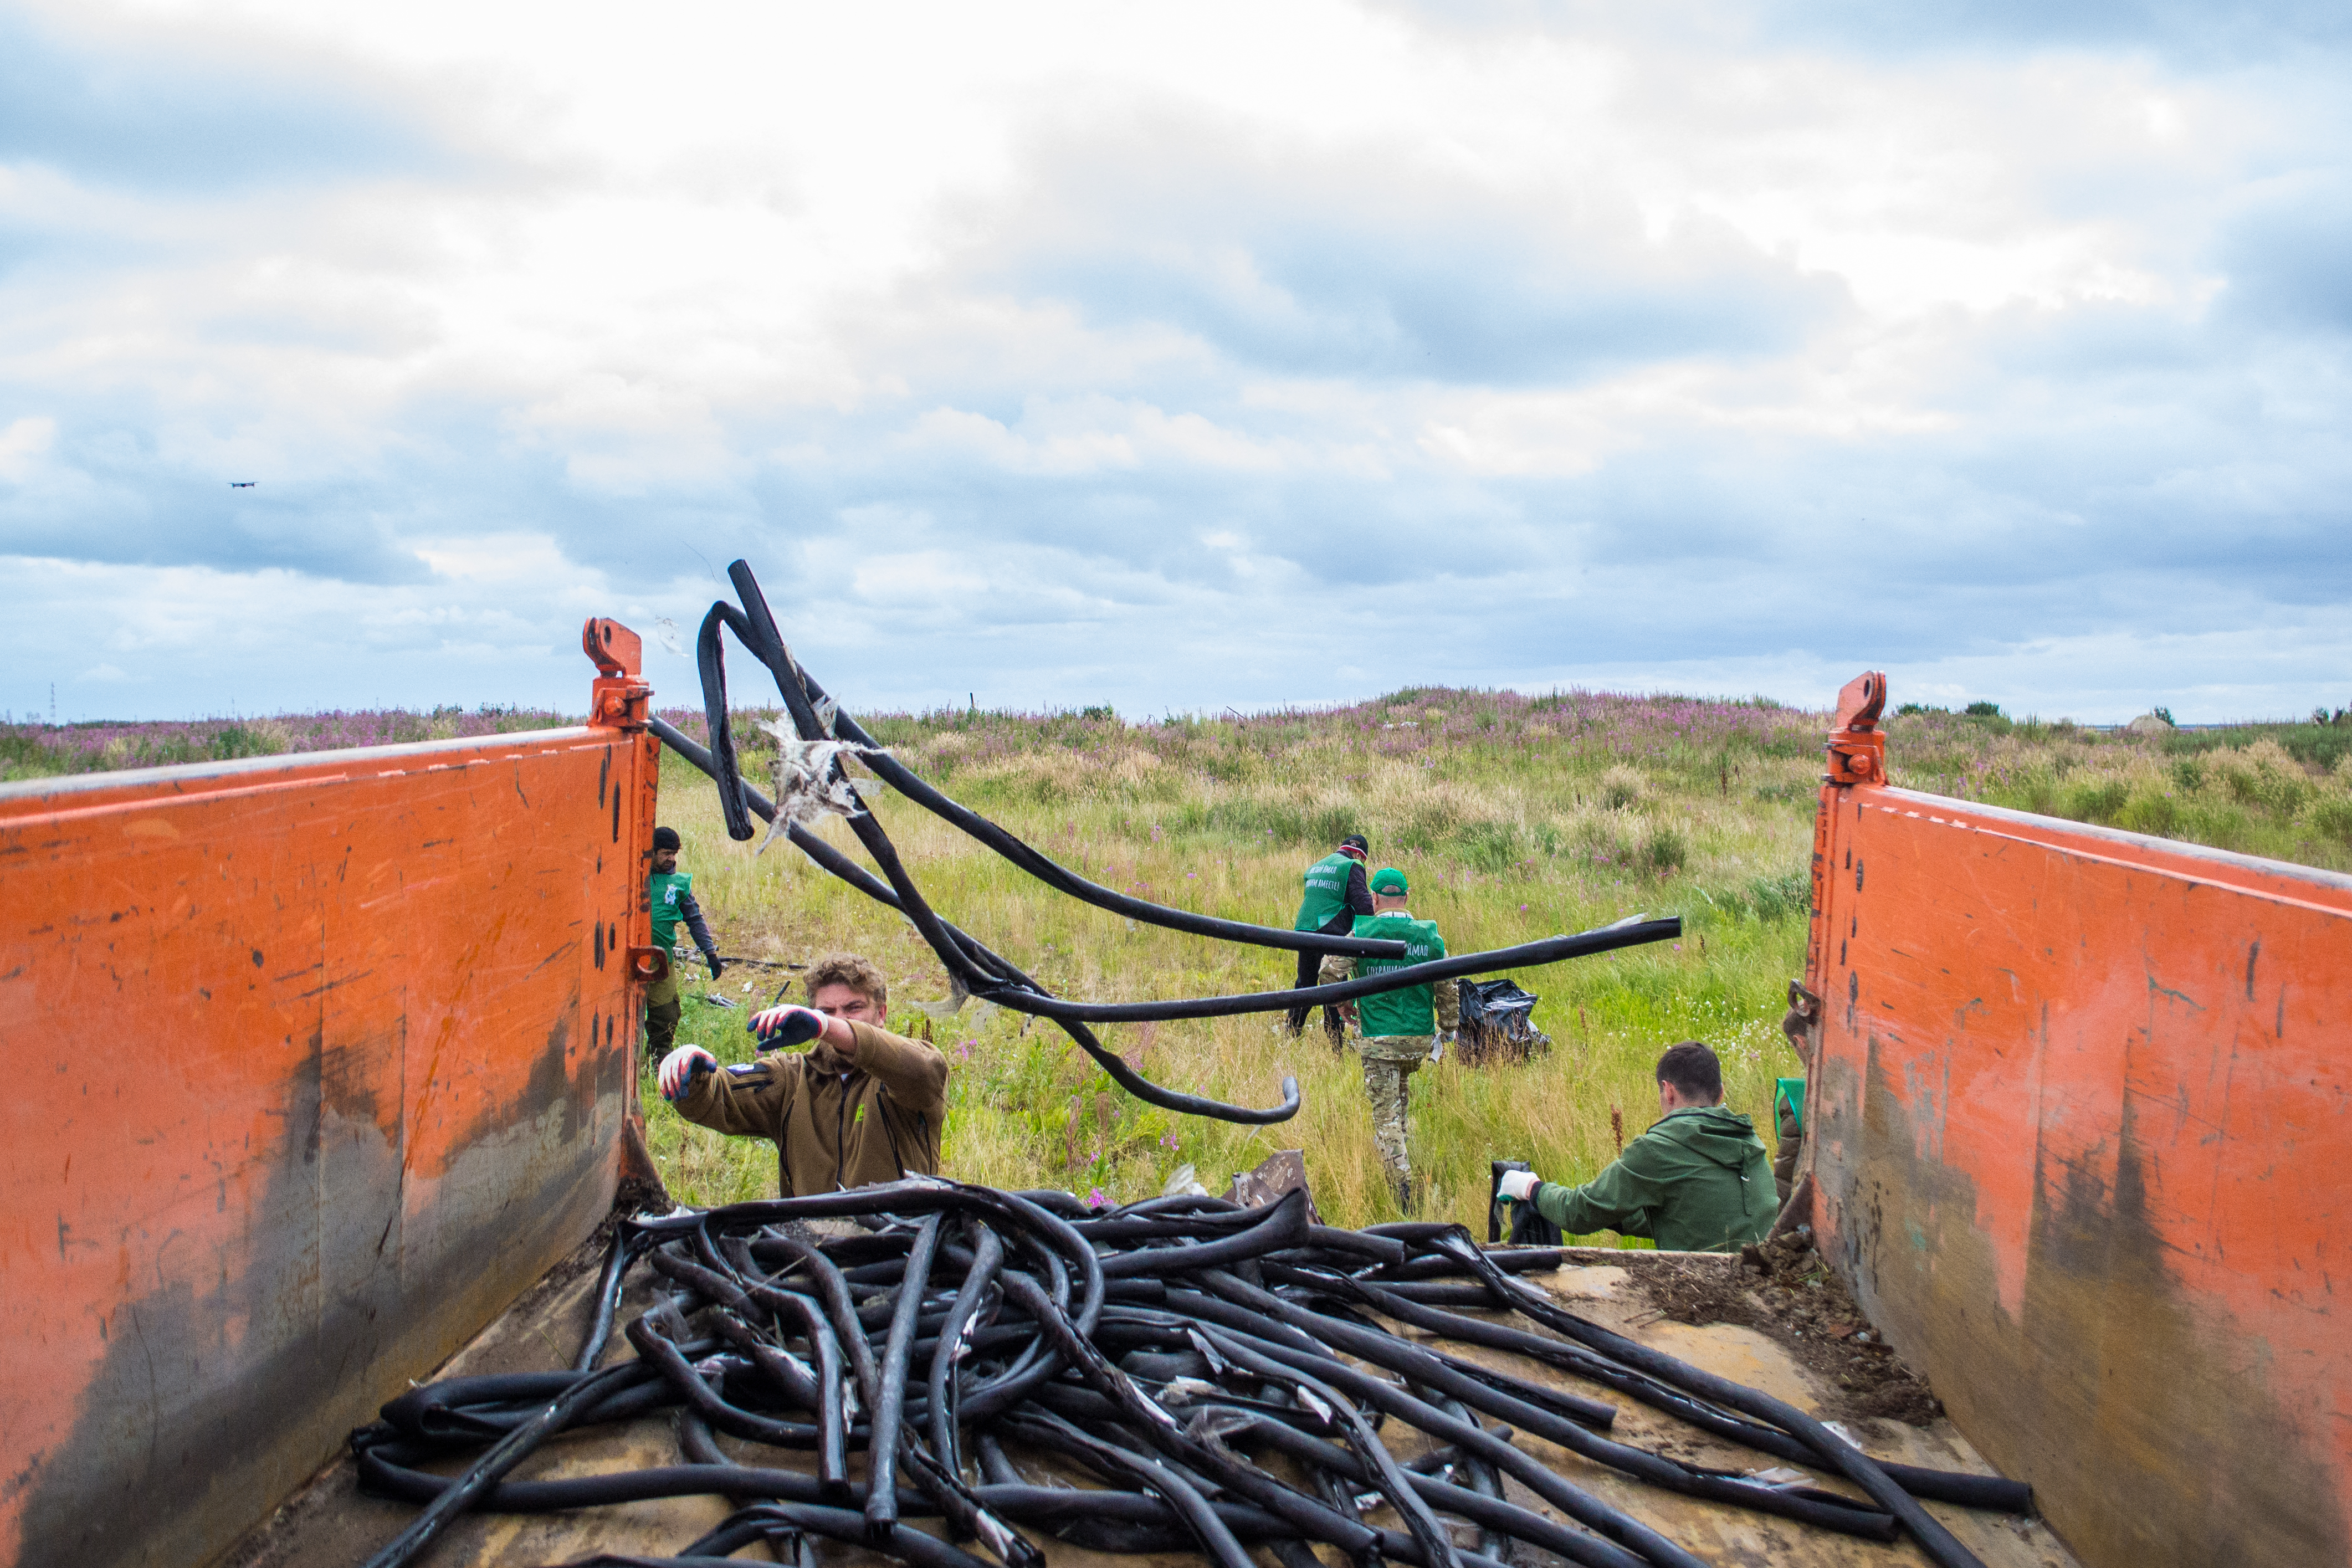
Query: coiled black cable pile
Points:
[981, 973]
[1167, 1350]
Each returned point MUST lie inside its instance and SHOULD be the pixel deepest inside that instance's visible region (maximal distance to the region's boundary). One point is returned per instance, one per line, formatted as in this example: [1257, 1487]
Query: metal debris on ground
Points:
[1283, 1170]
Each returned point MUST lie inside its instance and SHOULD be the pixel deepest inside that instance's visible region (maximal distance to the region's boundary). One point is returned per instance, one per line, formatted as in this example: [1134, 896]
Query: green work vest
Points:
[1412, 1011]
[1327, 891]
[1790, 1091]
[665, 888]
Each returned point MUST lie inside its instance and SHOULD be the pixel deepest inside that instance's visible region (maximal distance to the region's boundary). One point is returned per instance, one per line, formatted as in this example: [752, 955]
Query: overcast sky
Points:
[1180, 356]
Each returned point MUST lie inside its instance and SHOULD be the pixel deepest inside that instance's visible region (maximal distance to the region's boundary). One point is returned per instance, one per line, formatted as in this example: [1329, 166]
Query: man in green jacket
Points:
[671, 894]
[1335, 897]
[1699, 1181]
[1397, 1030]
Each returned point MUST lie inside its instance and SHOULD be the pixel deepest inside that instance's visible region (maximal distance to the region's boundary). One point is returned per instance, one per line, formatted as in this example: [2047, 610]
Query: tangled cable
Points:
[825, 731]
[1164, 1349]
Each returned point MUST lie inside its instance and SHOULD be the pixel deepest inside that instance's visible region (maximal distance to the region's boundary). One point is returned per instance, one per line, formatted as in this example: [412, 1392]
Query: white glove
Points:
[1437, 1051]
[678, 1067]
[1519, 1185]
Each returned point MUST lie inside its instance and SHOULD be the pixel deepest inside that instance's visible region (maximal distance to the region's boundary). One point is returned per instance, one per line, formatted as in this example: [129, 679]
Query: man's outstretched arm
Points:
[691, 913]
[1625, 1197]
[910, 1072]
[738, 1101]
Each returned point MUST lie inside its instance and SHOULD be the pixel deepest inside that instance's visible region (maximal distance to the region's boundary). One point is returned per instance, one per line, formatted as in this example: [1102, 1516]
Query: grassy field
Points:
[1515, 817]
[47, 750]
[2279, 790]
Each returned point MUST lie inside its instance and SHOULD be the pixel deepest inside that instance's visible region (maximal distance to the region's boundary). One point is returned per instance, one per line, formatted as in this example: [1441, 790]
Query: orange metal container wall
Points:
[2082, 1138]
[313, 1065]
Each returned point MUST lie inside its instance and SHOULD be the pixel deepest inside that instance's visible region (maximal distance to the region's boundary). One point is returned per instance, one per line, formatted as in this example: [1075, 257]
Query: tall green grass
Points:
[2283, 791]
[1515, 819]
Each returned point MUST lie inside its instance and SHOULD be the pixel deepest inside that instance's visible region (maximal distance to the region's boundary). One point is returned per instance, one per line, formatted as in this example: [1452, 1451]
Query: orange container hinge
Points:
[1857, 749]
[620, 695]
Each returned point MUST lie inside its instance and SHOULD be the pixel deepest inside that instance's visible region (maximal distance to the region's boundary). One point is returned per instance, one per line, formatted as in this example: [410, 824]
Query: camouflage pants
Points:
[1389, 1061]
[661, 1027]
[1791, 1140]
[662, 1013]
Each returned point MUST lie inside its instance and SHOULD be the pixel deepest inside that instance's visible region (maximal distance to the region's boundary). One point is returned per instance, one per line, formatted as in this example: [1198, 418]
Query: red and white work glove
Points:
[1518, 1185]
[679, 1069]
[789, 1025]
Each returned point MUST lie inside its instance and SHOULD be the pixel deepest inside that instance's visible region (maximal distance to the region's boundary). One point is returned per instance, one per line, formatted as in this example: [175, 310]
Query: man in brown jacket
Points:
[862, 1105]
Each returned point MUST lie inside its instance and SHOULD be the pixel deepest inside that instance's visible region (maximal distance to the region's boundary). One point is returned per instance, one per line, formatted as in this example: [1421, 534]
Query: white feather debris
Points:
[808, 785]
[958, 995]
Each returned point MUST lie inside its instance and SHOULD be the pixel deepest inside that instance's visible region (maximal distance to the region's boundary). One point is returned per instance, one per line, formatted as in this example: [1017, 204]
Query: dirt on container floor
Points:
[1784, 1291]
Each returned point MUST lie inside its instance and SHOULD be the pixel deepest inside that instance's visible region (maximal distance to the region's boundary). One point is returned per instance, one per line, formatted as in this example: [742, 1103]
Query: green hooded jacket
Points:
[1699, 1181]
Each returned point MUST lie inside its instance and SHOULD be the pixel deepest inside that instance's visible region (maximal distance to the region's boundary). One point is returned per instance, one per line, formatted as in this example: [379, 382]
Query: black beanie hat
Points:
[667, 838]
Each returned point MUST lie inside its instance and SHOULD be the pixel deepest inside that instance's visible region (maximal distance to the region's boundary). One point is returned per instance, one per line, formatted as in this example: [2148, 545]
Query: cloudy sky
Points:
[1180, 356]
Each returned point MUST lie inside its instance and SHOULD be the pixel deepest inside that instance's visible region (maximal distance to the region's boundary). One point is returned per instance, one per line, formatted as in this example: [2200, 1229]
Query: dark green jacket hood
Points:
[1713, 1132]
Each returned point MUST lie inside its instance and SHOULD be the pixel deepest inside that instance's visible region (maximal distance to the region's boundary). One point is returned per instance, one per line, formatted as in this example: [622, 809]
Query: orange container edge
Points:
[2082, 1142]
[316, 1063]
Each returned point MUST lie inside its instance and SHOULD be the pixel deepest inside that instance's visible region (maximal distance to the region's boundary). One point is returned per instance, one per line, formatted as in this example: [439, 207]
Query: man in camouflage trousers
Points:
[1396, 1031]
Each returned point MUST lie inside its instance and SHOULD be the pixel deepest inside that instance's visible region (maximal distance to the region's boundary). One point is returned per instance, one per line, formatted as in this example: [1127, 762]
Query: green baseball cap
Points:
[1388, 879]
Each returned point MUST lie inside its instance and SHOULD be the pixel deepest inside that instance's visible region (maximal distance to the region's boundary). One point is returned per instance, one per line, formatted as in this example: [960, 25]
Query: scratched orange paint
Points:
[315, 1062]
[2080, 1128]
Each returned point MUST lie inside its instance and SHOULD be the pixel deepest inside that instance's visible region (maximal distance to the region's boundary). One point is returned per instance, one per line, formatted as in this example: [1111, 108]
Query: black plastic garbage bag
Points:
[1496, 1026]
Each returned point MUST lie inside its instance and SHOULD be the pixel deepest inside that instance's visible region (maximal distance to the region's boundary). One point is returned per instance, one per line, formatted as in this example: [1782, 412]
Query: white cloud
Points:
[22, 446]
[1171, 355]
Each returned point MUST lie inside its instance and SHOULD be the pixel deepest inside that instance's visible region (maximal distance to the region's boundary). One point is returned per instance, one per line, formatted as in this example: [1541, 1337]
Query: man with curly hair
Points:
[861, 1105]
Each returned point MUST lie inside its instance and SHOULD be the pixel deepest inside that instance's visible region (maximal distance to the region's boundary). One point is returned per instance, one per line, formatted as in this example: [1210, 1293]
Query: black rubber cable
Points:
[503, 1455]
[1477, 1475]
[1215, 1539]
[1621, 1540]
[833, 1410]
[856, 876]
[1233, 1363]
[957, 950]
[988, 1258]
[1550, 950]
[1157, 1426]
[1379, 1464]
[1997, 1493]
[1497, 1514]
[1426, 1368]
[890, 1399]
[1020, 853]
[1282, 1223]
[608, 1303]
[755, 626]
[1857, 1466]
